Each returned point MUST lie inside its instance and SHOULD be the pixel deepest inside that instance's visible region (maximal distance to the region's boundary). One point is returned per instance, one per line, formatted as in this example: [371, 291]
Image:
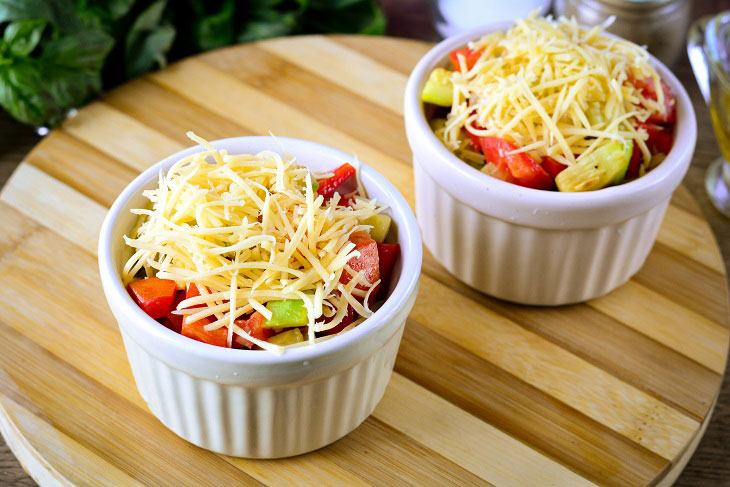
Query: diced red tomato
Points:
[660, 138]
[254, 326]
[471, 56]
[648, 89]
[367, 261]
[523, 168]
[195, 330]
[155, 296]
[346, 320]
[634, 163]
[327, 187]
[552, 167]
[387, 256]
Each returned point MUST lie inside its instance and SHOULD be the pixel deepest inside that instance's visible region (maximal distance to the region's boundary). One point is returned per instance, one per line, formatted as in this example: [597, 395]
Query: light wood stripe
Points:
[144, 101]
[101, 126]
[50, 448]
[346, 67]
[666, 322]
[399, 54]
[242, 104]
[388, 457]
[87, 170]
[683, 199]
[522, 411]
[297, 88]
[608, 344]
[466, 440]
[691, 236]
[45, 199]
[548, 367]
[695, 287]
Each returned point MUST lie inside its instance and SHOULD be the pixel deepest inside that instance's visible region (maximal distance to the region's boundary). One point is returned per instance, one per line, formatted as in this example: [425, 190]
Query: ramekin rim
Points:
[411, 255]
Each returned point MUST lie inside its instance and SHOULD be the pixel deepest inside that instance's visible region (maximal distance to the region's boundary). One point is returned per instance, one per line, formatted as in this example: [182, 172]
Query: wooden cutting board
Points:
[616, 391]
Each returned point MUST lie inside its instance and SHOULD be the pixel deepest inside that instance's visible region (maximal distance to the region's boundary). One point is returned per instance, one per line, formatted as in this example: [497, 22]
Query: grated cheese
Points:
[248, 229]
[534, 84]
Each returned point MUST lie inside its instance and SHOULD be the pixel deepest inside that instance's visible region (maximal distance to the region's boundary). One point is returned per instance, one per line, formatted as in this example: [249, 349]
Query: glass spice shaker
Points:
[661, 25]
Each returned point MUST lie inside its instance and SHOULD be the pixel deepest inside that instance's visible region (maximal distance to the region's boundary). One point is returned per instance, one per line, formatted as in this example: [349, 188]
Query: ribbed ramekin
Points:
[255, 403]
[530, 246]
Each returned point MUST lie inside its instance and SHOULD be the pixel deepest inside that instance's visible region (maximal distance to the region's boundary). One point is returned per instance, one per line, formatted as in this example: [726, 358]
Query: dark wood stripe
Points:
[317, 97]
[522, 411]
[104, 422]
[171, 114]
[686, 282]
[601, 340]
[399, 54]
[81, 167]
[382, 455]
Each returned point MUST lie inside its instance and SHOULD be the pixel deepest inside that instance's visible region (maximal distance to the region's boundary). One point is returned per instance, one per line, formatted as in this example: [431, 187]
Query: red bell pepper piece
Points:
[327, 187]
[174, 321]
[155, 296]
[346, 320]
[387, 255]
[195, 330]
[648, 89]
[552, 167]
[521, 166]
[471, 56]
[660, 139]
[634, 163]
[367, 261]
[254, 326]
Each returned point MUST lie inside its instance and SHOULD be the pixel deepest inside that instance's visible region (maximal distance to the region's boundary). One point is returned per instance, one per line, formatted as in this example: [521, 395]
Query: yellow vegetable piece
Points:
[289, 337]
[606, 165]
[438, 89]
[380, 224]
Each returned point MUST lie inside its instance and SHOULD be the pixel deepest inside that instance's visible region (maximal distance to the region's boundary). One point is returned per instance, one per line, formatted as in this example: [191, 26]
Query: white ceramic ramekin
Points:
[256, 403]
[531, 246]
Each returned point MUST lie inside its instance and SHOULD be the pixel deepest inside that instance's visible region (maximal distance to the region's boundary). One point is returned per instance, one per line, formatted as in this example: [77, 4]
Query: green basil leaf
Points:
[358, 16]
[41, 90]
[22, 36]
[270, 24]
[60, 13]
[151, 51]
[216, 30]
[85, 50]
[20, 93]
[148, 41]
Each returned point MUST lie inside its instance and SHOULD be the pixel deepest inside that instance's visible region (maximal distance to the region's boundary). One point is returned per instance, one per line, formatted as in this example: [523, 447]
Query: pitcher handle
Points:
[696, 43]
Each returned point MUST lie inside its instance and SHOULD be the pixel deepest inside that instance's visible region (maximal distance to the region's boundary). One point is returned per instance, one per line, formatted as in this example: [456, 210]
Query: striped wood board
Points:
[615, 391]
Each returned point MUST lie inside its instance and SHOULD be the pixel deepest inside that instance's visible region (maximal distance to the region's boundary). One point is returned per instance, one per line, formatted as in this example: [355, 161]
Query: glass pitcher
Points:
[708, 47]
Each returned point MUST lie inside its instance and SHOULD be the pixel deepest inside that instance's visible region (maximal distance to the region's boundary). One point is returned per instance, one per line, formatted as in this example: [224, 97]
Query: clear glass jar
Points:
[661, 25]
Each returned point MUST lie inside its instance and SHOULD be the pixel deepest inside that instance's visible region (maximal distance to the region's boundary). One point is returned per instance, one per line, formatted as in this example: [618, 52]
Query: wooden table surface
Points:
[709, 466]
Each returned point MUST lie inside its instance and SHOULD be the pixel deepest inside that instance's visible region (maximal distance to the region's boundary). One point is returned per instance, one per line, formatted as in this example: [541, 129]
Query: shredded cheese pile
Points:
[552, 89]
[250, 229]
